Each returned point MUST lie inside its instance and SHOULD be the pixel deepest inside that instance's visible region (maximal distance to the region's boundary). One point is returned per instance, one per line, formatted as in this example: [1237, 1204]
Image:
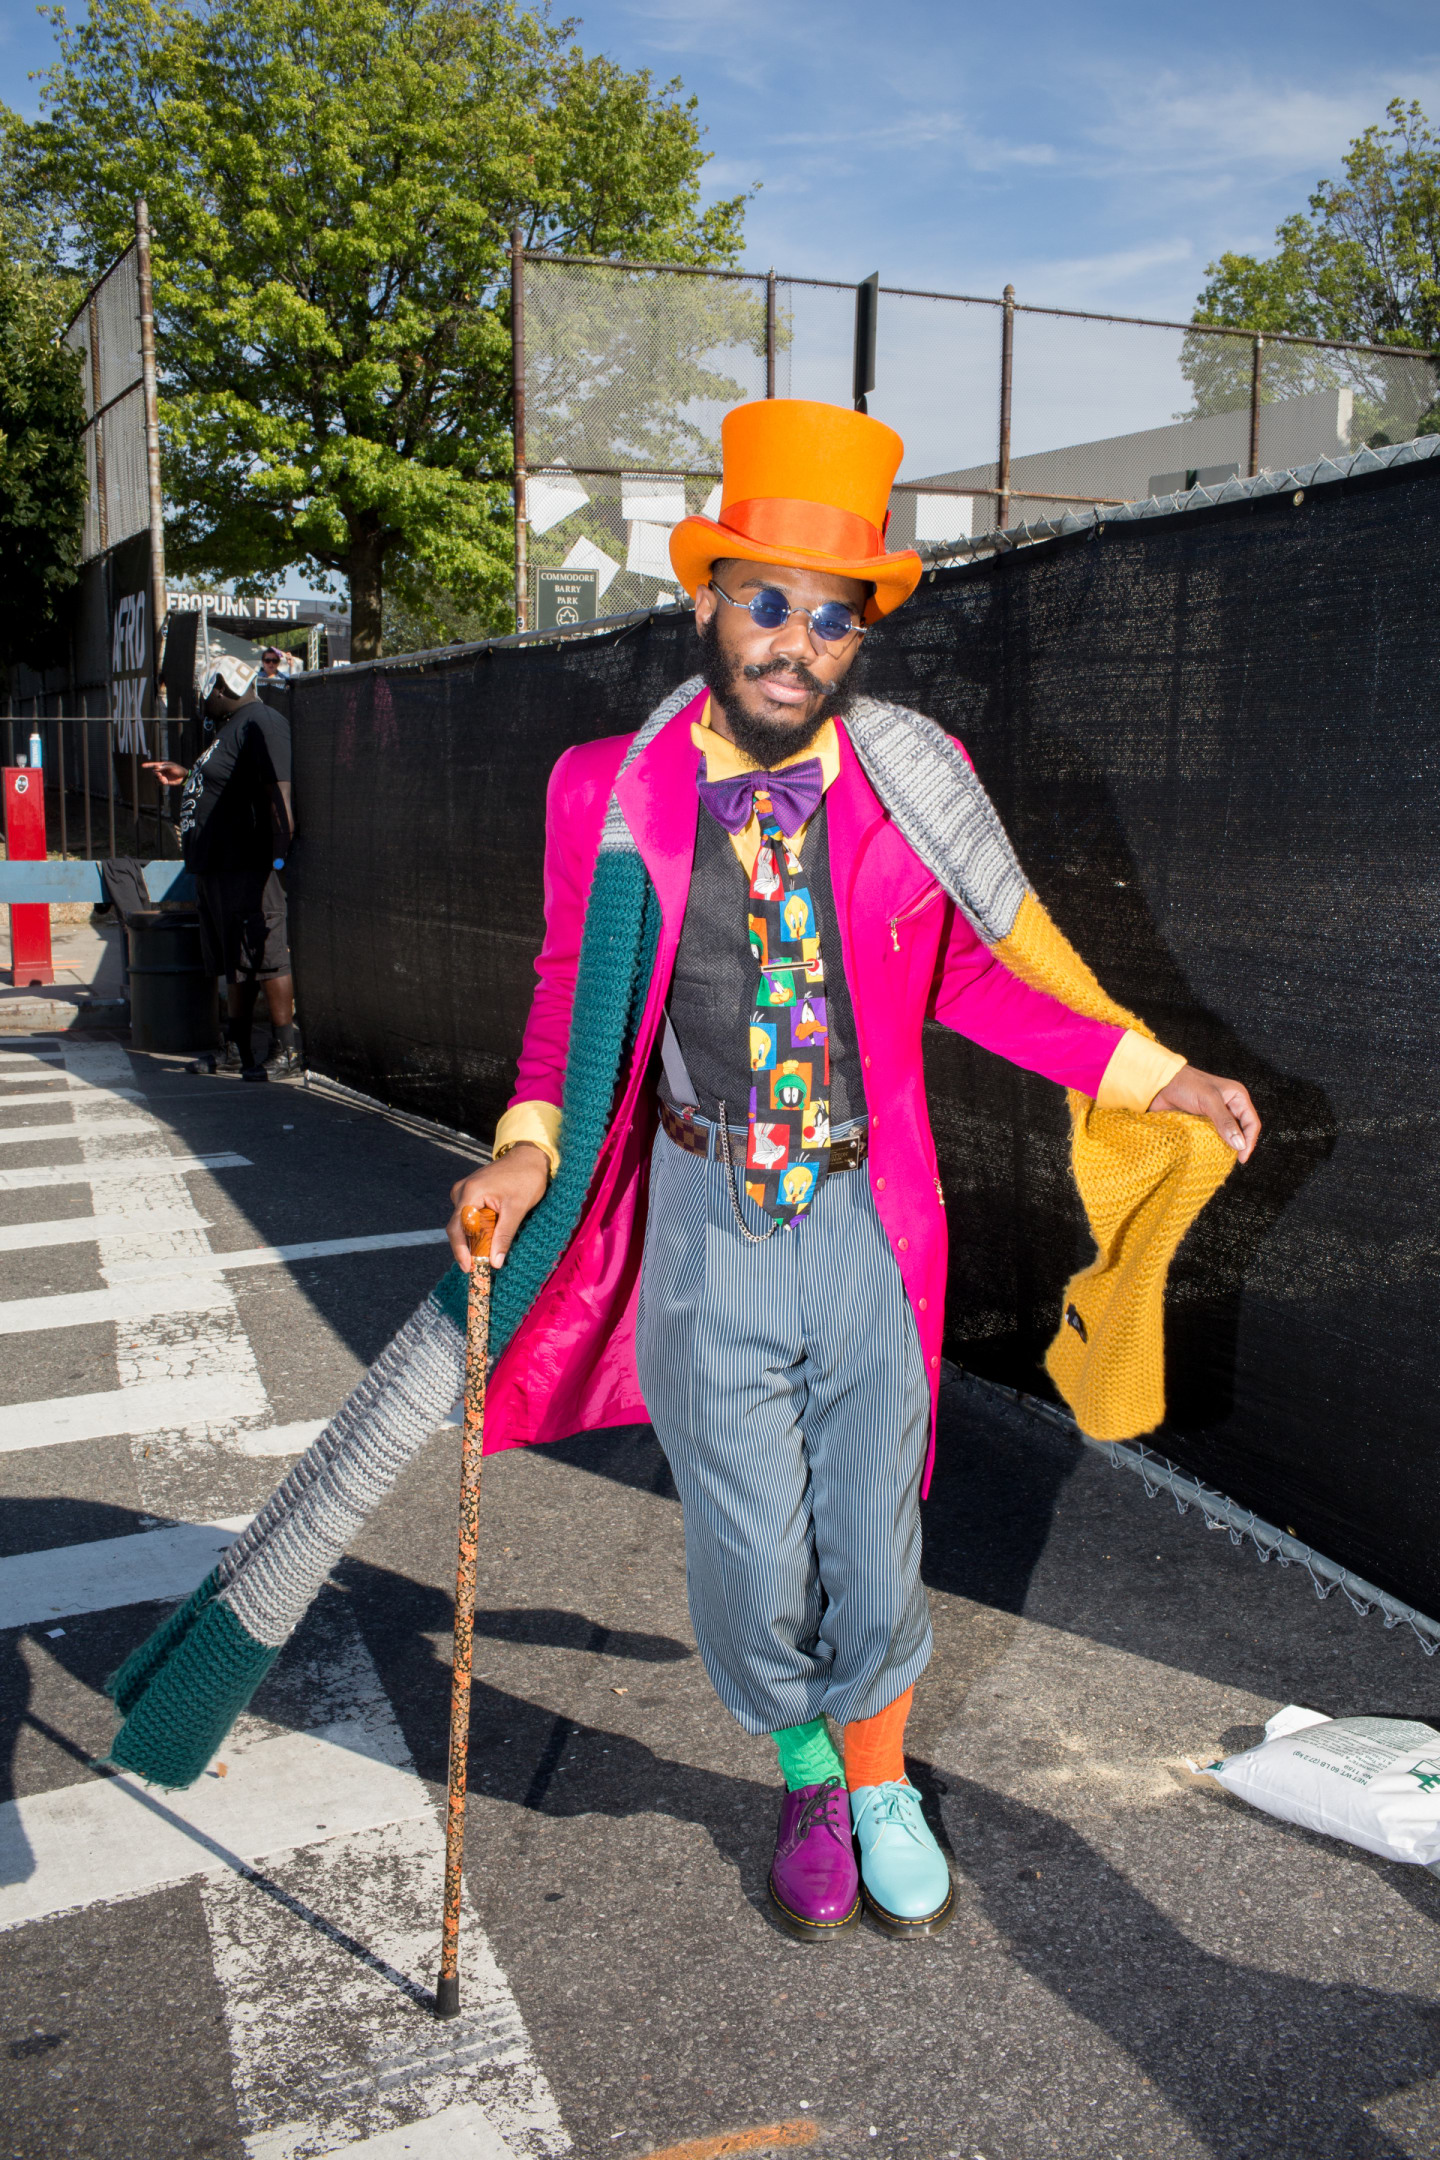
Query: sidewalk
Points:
[87, 990]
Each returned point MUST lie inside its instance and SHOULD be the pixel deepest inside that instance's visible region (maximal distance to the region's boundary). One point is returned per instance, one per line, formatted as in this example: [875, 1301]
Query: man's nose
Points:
[795, 641]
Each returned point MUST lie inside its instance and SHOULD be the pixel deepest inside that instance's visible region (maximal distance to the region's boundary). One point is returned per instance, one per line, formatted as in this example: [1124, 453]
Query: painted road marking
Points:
[462, 2132]
[11, 1135]
[187, 1283]
[269, 1256]
[113, 1838]
[96, 1577]
[134, 1412]
[126, 1307]
[85, 1229]
[136, 1168]
[321, 1864]
[179, 1462]
[56, 1095]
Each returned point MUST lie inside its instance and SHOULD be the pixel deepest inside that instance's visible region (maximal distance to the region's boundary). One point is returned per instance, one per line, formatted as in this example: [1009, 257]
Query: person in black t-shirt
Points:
[236, 828]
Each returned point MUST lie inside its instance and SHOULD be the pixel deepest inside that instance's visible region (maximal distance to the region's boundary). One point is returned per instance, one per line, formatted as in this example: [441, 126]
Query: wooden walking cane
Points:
[478, 1225]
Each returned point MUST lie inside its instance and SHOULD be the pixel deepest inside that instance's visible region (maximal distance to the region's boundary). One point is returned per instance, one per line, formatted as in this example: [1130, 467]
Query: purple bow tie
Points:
[794, 795]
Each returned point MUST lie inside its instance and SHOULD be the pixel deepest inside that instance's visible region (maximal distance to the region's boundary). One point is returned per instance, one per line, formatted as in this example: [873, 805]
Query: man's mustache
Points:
[797, 668]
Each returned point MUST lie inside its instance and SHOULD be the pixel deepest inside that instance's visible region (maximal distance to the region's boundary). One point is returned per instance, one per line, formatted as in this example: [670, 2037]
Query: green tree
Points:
[332, 186]
[42, 459]
[1364, 265]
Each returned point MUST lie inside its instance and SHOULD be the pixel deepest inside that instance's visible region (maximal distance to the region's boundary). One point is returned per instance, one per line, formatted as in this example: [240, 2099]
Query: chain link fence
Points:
[106, 333]
[1011, 414]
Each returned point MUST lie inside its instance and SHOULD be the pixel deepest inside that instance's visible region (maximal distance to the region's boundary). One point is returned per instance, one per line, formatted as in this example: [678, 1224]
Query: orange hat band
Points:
[819, 528]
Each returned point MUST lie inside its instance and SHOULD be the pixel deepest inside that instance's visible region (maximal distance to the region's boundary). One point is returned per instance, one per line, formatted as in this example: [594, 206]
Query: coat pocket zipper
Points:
[915, 907]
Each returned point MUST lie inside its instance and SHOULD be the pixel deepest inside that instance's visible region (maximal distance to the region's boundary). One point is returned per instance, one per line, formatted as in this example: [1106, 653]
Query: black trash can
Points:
[174, 1005]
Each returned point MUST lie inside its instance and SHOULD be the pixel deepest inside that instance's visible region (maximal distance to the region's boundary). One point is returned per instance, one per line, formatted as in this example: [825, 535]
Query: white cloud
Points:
[1158, 122]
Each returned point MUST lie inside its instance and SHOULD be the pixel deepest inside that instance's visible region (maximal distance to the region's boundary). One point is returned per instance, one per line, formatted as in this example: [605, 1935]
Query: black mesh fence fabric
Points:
[1212, 737]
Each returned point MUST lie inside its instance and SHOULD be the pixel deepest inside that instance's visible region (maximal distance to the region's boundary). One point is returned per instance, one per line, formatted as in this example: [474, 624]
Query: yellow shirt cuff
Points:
[537, 1122]
[1137, 1071]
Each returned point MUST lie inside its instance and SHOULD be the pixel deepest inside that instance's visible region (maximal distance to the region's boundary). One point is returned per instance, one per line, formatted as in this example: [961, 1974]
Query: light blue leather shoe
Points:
[903, 1873]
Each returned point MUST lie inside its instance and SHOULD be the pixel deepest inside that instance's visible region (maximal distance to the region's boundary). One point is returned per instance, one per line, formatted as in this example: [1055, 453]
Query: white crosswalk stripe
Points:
[69, 1579]
[185, 1282]
[86, 1229]
[129, 1169]
[316, 1847]
[16, 1135]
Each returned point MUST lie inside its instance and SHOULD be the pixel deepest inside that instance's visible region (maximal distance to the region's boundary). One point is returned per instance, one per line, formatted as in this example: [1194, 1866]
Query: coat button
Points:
[880, 1184]
[924, 1304]
[867, 1064]
[904, 1244]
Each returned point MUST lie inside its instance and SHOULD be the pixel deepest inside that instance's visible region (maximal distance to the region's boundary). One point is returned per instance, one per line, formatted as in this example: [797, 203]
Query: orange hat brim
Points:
[699, 542]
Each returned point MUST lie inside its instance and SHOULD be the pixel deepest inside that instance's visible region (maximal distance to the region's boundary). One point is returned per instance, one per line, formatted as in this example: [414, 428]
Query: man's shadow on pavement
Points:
[1258, 2062]
[1299, 2061]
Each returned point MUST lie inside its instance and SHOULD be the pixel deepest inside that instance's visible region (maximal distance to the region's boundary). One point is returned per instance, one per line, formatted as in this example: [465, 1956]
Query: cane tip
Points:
[478, 1223]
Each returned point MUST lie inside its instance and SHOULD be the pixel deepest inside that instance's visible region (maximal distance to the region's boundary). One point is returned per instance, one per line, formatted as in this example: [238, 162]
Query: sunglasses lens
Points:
[769, 610]
[833, 620]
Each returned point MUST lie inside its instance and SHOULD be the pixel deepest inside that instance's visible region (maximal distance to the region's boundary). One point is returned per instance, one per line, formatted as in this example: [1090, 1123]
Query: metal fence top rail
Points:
[1020, 307]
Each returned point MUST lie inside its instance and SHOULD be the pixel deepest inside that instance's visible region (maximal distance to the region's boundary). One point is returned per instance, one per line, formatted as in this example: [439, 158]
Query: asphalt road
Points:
[1138, 1965]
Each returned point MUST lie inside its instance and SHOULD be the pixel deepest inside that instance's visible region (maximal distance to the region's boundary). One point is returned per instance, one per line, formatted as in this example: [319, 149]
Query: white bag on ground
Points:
[1373, 1781]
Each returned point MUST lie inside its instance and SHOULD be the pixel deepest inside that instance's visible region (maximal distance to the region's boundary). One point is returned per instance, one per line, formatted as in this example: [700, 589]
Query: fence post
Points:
[770, 333]
[102, 506]
[517, 363]
[1007, 374]
[1257, 363]
[152, 473]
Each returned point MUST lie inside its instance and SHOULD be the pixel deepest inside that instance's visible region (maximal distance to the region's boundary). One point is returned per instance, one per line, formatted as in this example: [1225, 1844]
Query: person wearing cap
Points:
[758, 1262]
[236, 829]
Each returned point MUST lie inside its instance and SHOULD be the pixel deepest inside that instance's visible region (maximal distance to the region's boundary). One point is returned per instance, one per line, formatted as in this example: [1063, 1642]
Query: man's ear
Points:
[705, 604]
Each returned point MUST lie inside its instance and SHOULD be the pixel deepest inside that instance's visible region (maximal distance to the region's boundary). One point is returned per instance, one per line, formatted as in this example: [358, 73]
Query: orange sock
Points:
[875, 1746]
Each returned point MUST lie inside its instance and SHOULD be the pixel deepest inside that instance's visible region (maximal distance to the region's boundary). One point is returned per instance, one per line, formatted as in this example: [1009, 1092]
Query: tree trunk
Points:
[365, 569]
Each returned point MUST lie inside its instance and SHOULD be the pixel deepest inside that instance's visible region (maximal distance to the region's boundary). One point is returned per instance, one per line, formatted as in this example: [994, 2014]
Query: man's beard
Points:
[767, 741]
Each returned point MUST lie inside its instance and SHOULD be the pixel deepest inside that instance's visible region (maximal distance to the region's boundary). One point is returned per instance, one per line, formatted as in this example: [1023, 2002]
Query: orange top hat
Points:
[806, 485]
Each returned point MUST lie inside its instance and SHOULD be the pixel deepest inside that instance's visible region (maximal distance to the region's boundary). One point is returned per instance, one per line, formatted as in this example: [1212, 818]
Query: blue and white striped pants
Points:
[787, 1387]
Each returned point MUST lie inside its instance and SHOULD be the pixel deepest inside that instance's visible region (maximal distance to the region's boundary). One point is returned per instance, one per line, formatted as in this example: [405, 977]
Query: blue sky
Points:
[1098, 153]
[1094, 155]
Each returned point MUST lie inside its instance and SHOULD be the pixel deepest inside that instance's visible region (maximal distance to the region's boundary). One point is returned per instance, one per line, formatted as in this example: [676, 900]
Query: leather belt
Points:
[693, 1134]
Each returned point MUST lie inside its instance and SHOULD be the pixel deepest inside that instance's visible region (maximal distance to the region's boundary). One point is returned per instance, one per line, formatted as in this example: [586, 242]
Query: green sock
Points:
[807, 1754]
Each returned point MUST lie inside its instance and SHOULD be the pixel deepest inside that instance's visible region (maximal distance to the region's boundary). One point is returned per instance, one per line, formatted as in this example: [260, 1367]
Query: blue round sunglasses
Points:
[770, 610]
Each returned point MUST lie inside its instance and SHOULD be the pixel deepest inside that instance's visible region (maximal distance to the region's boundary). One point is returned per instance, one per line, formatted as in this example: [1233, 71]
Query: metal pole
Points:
[85, 779]
[152, 453]
[1257, 366]
[479, 1224]
[1007, 376]
[517, 364]
[60, 780]
[867, 308]
[770, 334]
[98, 430]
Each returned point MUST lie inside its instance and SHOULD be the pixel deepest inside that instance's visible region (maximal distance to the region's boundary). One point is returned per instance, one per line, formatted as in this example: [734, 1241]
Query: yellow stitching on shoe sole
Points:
[883, 1912]
[800, 1919]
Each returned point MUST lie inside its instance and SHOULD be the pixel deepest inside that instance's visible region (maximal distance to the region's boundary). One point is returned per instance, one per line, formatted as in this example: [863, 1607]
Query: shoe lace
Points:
[895, 1806]
[818, 1812]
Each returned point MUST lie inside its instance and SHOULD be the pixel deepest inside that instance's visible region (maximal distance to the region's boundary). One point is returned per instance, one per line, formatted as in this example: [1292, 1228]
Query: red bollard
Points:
[30, 957]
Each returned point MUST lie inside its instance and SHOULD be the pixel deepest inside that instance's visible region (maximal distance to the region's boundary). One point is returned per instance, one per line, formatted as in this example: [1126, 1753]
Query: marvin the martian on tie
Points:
[788, 1144]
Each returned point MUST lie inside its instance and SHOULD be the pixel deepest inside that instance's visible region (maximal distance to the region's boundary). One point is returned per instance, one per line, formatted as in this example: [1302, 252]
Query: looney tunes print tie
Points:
[787, 1149]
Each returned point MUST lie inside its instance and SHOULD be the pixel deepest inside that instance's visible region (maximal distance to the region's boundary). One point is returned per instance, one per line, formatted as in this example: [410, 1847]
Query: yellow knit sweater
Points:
[1143, 1176]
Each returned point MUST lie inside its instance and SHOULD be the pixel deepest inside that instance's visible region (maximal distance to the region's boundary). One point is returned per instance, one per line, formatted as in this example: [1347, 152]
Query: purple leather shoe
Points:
[814, 1881]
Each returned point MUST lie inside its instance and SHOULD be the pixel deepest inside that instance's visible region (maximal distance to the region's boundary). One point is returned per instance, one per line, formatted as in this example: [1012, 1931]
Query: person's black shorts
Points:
[244, 935]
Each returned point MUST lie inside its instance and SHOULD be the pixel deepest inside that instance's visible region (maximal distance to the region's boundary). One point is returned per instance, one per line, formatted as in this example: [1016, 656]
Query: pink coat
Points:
[909, 956]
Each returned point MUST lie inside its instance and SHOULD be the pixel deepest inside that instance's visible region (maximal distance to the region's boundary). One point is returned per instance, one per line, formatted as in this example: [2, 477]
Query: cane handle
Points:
[478, 1223]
